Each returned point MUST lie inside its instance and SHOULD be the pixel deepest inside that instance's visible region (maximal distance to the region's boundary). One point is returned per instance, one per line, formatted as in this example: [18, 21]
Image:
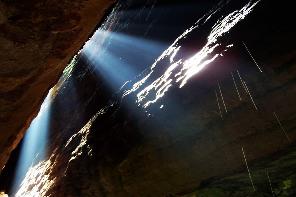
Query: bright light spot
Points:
[68, 70]
[2, 194]
[38, 179]
[83, 135]
[180, 71]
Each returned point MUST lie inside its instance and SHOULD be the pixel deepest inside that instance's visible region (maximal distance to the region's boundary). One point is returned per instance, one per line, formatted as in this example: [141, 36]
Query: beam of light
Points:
[113, 58]
[247, 166]
[179, 71]
[34, 144]
[39, 177]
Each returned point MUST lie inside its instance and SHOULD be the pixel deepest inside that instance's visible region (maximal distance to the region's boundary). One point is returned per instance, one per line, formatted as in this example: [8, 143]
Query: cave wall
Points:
[37, 40]
[102, 145]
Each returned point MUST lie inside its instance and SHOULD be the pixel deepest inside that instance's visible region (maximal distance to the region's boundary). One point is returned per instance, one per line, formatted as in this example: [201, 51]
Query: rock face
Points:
[37, 39]
[273, 176]
[103, 144]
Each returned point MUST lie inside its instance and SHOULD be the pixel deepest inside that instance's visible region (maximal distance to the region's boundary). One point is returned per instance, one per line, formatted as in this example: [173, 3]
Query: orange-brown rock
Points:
[37, 39]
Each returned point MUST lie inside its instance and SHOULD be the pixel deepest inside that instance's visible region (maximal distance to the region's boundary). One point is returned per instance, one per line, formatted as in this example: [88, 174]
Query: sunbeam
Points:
[162, 102]
[34, 143]
[113, 58]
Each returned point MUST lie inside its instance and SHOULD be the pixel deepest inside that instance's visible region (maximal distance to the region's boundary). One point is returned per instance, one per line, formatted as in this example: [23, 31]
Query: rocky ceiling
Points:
[37, 40]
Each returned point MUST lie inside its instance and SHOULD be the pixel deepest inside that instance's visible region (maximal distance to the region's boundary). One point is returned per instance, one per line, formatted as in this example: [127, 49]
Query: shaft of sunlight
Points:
[34, 143]
[112, 55]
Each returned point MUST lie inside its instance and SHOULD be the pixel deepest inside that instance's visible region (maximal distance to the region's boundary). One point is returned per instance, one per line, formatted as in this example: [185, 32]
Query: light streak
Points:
[235, 86]
[247, 90]
[281, 126]
[269, 181]
[250, 95]
[249, 172]
[252, 57]
[220, 111]
[222, 97]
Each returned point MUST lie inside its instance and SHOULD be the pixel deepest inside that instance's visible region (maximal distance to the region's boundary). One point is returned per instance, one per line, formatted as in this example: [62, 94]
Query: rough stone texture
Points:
[171, 153]
[124, 152]
[37, 39]
[272, 176]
